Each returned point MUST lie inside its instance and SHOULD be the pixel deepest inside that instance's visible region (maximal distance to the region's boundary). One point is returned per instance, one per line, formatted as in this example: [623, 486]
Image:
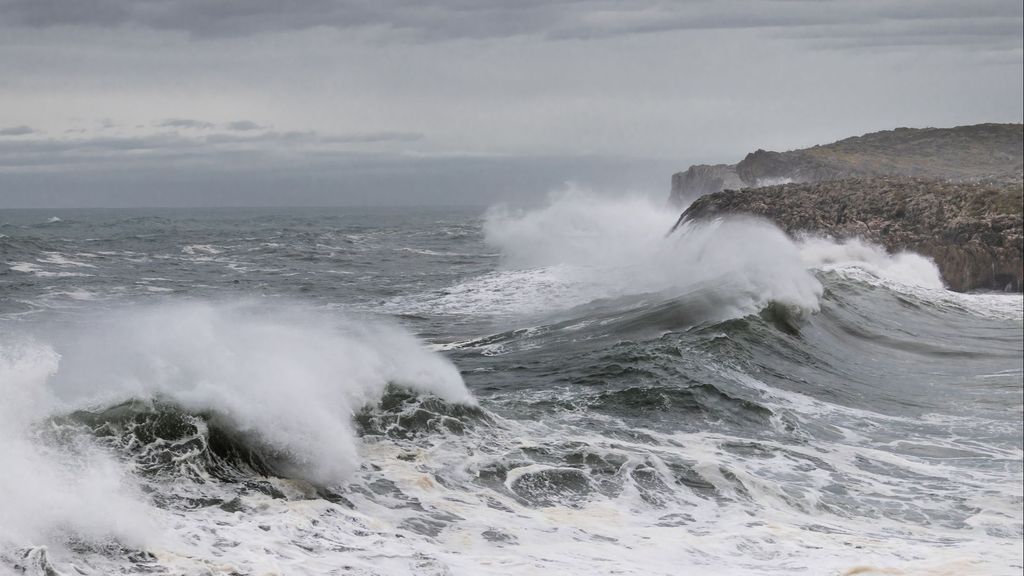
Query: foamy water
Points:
[562, 390]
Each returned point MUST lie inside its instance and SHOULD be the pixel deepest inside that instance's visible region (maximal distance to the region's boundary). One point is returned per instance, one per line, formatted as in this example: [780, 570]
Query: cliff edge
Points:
[982, 152]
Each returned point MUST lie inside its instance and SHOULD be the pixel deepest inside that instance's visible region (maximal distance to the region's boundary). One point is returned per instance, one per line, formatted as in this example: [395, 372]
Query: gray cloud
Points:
[978, 32]
[516, 96]
[412, 19]
[370, 137]
[16, 131]
[314, 139]
[243, 125]
[289, 168]
[186, 123]
[161, 149]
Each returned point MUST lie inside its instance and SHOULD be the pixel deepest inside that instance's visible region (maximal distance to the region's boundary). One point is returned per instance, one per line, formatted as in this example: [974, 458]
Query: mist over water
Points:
[561, 390]
[609, 247]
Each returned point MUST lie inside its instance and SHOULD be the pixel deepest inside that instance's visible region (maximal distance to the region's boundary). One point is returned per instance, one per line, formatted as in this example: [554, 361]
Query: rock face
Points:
[705, 179]
[973, 230]
[964, 153]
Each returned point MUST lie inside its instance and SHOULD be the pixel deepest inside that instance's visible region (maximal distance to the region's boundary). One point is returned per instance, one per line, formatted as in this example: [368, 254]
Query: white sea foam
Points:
[770, 515]
[905, 268]
[80, 294]
[286, 378]
[992, 305]
[904, 272]
[291, 380]
[36, 270]
[194, 249]
[582, 247]
[52, 491]
[61, 260]
[768, 518]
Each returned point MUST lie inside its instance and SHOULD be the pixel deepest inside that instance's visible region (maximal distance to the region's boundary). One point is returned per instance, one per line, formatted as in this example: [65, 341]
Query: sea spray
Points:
[55, 489]
[594, 247]
[583, 246]
[904, 268]
[284, 376]
[280, 376]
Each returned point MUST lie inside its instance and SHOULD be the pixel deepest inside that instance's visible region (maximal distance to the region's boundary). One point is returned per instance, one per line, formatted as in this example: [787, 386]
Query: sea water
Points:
[562, 390]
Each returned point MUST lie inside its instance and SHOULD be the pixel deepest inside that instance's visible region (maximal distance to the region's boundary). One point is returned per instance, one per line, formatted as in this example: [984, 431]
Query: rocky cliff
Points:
[993, 152]
[705, 179]
[973, 230]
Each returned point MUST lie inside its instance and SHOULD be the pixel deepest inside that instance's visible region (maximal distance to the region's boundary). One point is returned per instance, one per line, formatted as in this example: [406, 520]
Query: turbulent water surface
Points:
[446, 391]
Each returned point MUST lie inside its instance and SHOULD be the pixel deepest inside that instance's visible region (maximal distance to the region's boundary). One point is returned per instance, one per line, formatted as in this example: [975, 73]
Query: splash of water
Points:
[904, 268]
[51, 491]
[608, 247]
[284, 377]
[289, 378]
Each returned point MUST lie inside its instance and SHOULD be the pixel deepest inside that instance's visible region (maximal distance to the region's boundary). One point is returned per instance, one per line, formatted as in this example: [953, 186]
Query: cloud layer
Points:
[16, 131]
[196, 144]
[177, 101]
[992, 22]
[190, 162]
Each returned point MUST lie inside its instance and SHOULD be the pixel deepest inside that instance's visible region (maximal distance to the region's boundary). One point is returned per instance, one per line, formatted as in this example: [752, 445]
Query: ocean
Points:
[435, 391]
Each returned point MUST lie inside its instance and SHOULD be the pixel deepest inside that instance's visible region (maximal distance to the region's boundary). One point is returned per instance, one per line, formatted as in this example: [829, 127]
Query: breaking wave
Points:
[582, 248]
[195, 388]
[720, 401]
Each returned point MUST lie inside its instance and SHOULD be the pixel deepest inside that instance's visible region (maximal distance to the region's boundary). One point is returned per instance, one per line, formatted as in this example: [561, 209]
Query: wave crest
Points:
[289, 378]
[187, 389]
[587, 247]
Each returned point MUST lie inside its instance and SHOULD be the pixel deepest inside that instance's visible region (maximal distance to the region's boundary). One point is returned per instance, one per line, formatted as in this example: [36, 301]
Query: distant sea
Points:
[432, 391]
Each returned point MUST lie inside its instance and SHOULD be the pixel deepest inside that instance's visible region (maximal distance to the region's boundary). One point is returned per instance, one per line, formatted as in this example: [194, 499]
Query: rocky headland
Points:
[955, 195]
[992, 152]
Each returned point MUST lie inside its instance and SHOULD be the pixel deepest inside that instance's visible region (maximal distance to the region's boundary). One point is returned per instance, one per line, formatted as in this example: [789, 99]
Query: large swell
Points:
[562, 390]
[582, 248]
[187, 390]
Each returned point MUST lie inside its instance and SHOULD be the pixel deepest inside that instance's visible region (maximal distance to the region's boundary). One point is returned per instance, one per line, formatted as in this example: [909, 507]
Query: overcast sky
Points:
[322, 102]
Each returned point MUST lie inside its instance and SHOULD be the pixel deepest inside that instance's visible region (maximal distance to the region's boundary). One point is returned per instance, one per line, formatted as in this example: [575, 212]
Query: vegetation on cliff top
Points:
[982, 151]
